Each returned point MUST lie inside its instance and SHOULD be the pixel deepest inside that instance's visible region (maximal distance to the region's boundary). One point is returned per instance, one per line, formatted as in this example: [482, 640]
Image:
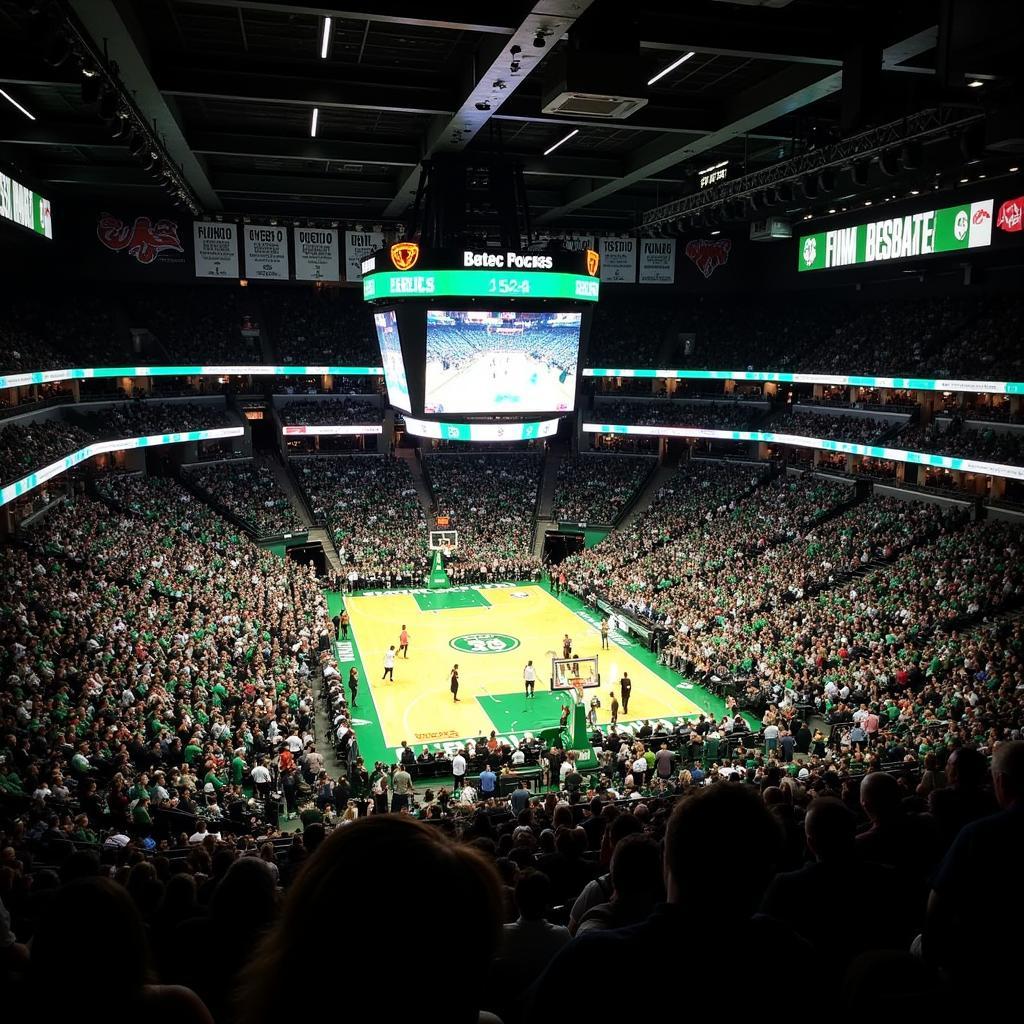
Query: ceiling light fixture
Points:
[661, 74]
[975, 83]
[1013, 170]
[832, 210]
[551, 149]
[312, 127]
[10, 99]
[326, 40]
[867, 202]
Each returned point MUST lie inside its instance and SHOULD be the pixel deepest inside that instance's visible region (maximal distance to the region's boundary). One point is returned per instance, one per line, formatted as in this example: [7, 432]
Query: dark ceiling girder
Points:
[460, 17]
[491, 82]
[361, 151]
[104, 22]
[332, 92]
[791, 89]
[57, 133]
[322, 186]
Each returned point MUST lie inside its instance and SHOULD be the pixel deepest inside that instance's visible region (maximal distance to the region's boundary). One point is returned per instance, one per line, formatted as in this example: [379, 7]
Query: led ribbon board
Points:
[797, 440]
[329, 430]
[967, 226]
[40, 476]
[14, 380]
[481, 431]
[20, 205]
[996, 387]
[480, 284]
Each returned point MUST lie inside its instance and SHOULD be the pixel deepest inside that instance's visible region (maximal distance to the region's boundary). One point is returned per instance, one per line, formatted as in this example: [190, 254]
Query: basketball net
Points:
[577, 686]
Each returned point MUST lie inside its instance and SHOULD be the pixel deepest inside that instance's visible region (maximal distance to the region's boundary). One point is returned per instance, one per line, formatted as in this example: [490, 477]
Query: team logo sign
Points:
[404, 255]
[1011, 215]
[960, 225]
[143, 238]
[708, 255]
[592, 262]
[810, 250]
[484, 643]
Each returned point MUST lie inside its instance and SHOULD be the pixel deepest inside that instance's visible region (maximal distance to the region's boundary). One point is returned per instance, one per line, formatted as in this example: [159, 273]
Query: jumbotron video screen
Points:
[501, 361]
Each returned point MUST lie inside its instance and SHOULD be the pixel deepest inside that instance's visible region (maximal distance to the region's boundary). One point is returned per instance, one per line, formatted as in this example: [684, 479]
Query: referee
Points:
[529, 678]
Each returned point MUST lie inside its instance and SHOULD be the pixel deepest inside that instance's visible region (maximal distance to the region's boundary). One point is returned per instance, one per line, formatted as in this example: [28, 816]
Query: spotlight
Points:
[809, 185]
[912, 156]
[136, 144]
[827, 180]
[888, 163]
[119, 129]
[859, 172]
[149, 160]
[539, 41]
[483, 105]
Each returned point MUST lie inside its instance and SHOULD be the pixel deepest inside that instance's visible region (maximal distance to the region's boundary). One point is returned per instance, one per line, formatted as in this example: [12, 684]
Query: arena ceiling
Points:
[231, 87]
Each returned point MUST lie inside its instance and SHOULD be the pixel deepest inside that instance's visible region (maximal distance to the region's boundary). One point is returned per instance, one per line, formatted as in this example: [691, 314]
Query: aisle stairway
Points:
[545, 507]
[657, 480]
[408, 455]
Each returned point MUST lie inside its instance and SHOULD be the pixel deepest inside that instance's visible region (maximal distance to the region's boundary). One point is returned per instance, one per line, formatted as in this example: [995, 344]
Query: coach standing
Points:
[625, 688]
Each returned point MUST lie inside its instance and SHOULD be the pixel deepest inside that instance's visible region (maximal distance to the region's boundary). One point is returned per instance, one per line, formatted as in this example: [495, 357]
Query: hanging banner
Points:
[657, 260]
[577, 243]
[316, 254]
[216, 248]
[266, 252]
[618, 260]
[359, 245]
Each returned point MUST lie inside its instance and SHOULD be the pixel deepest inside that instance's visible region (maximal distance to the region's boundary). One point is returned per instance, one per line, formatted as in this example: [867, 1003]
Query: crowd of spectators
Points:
[320, 327]
[371, 507]
[330, 411]
[249, 491]
[594, 488]
[145, 418]
[25, 447]
[490, 500]
[194, 324]
[854, 428]
[666, 413]
[953, 437]
[41, 331]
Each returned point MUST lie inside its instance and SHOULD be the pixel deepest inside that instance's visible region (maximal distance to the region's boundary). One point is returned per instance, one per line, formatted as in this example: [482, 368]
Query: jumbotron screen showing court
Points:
[391, 358]
[498, 362]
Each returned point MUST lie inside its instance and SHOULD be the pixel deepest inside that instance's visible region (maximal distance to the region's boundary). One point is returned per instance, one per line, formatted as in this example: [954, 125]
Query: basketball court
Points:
[490, 632]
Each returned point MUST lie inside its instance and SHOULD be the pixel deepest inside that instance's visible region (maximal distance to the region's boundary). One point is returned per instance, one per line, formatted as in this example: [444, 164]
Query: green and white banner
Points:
[799, 441]
[485, 284]
[20, 205]
[40, 476]
[967, 226]
[17, 380]
[995, 387]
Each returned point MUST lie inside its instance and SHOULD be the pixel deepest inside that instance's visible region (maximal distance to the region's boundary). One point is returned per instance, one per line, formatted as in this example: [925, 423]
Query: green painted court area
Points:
[514, 713]
[448, 600]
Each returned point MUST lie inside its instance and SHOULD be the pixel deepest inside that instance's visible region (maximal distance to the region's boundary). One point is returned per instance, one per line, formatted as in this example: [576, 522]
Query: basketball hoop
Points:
[577, 685]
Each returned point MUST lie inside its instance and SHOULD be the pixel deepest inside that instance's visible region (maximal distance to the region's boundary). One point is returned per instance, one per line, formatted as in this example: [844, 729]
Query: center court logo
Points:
[484, 643]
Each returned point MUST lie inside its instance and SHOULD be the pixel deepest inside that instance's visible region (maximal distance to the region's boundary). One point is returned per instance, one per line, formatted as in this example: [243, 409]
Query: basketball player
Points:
[626, 688]
[614, 706]
[604, 634]
[389, 664]
[455, 684]
[565, 716]
[403, 643]
[566, 646]
[529, 678]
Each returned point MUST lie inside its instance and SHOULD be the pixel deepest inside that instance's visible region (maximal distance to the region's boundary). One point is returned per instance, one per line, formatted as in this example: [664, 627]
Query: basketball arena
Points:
[510, 511]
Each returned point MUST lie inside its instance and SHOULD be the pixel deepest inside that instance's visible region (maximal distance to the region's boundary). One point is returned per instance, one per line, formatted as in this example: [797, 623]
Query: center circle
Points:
[483, 643]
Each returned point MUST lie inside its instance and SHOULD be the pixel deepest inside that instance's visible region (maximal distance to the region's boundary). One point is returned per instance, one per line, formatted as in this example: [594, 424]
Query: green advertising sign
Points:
[966, 226]
[20, 205]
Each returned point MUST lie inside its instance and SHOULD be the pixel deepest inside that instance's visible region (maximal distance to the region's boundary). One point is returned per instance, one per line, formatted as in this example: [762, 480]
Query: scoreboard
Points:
[480, 333]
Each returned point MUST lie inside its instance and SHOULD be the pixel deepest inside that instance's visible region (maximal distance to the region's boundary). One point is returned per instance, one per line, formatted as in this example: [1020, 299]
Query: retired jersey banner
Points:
[266, 252]
[618, 260]
[216, 248]
[359, 245]
[316, 254]
[967, 226]
[657, 260]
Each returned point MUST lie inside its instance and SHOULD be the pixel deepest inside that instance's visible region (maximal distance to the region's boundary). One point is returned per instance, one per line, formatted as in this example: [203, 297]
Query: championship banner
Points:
[967, 226]
[316, 254]
[266, 252]
[657, 260]
[618, 260]
[216, 248]
[359, 245]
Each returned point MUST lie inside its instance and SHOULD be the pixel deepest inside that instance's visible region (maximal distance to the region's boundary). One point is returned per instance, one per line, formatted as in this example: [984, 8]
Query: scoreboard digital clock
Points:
[482, 331]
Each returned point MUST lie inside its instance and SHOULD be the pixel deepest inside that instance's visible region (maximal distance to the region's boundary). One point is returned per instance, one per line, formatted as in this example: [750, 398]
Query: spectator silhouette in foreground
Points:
[426, 884]
[727, 826]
